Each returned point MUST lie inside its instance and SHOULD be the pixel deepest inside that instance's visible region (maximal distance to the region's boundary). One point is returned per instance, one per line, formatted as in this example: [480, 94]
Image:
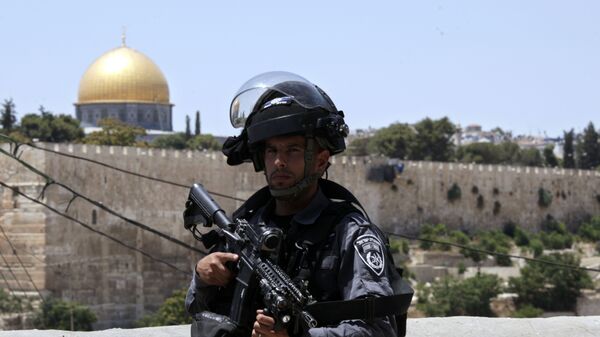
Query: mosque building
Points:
[126, 85]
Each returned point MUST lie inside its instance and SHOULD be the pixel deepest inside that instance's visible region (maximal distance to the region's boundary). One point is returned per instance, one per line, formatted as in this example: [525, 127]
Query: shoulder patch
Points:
[370, 250]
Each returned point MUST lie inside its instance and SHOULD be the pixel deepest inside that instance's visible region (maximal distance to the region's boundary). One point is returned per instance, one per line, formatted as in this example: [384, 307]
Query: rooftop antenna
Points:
[123, 36]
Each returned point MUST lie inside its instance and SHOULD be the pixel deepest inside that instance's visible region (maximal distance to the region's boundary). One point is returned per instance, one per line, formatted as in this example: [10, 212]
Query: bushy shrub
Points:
[452, 297]
[544, 197]
[171, 312]
[554, 235]
[537, 247]
[438, 232]
[551, 287]
[399, 246]
[555, 240]
[493, 241]
[57, 314]
[454, 193]
[10, 303]
[521, 237]
[590, 231]
[528, 311]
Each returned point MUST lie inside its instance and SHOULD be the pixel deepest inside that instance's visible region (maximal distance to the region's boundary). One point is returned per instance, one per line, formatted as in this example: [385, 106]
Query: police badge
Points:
[370, 250]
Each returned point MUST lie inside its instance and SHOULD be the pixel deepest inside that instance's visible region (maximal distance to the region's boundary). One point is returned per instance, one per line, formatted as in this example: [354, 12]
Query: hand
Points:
[263, 327]
[212, 270]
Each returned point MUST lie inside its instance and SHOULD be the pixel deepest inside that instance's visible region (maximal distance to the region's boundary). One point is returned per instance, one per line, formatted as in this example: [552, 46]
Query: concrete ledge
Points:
[579, 326]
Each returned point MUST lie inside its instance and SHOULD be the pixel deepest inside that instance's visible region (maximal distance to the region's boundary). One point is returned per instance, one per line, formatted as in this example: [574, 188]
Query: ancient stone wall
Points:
[122, 285]
[24, 224]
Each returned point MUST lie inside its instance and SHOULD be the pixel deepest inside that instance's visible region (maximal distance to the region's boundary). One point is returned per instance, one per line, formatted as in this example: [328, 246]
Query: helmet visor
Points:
[253, 94]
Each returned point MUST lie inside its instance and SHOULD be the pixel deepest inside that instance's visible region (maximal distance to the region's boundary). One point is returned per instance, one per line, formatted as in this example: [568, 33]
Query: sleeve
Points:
[362, 273]
[198, 295]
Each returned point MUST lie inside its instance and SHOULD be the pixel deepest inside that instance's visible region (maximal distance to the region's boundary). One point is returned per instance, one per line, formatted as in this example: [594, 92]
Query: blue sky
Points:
[526, 66]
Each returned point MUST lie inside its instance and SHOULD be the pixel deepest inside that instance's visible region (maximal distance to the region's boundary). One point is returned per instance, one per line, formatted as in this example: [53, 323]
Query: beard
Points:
[282, 179]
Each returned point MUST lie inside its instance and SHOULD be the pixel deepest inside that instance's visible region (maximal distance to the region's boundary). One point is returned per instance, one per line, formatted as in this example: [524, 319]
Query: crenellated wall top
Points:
[86, 149]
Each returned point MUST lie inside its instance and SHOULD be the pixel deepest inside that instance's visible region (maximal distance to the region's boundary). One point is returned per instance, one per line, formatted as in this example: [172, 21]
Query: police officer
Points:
[290, 130]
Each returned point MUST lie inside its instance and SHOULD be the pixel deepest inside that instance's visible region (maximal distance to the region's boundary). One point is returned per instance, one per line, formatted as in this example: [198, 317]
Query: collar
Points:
[307, 216]
[311, 213]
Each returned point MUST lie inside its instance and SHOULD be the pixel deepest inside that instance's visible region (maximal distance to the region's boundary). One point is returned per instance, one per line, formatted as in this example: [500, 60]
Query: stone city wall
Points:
[121, 285]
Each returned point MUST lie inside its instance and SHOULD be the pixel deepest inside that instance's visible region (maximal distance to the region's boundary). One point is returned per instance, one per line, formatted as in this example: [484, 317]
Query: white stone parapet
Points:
[582, 326]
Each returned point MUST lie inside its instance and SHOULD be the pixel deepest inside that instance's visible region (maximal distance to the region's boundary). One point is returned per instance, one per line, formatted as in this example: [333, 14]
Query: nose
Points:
[280, 162]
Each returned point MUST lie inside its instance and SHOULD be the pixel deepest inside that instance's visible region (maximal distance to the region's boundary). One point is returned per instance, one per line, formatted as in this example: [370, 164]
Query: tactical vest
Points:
[309, 244]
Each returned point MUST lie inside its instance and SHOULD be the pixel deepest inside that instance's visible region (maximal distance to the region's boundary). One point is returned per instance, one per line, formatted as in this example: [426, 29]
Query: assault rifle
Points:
[257, 248]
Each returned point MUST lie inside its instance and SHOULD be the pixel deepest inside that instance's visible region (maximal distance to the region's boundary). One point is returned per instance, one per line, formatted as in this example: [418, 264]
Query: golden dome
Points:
[123, 75]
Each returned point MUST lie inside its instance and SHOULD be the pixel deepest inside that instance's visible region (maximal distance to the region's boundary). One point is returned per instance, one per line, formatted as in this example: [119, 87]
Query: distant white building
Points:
[473, 133]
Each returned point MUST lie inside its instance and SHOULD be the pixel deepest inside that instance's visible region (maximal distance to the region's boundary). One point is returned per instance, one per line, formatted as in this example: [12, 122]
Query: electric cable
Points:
[17, 144]
[28, 252]
[81, 223]
[51, 181]
[557, 264]
[22, 265]
[11, 272]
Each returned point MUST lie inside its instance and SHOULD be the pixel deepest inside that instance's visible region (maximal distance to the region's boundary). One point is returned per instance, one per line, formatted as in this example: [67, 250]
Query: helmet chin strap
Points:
[309, 178]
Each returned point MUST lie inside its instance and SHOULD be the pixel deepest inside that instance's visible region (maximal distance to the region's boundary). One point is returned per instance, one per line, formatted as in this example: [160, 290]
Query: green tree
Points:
[590, 156]
[554, 235]
[358, 147]
[188, 130]
[433, 140]
[47, 127]
[57, 314]
[10, 303]
[550, 287]
[8, 117]
[451, 297]
[488, 153]
[114, 132]
[569, 150]
[494, 241]
[394, 141]
[437, 232]
[590, 231]
[197, 126]
[479, 153]
[173, 141]
[530, 157]
[549, 156]
[171, 312]
[204, 142]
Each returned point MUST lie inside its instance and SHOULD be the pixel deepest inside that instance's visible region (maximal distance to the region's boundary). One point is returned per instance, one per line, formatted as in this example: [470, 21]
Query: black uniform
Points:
[344, 260]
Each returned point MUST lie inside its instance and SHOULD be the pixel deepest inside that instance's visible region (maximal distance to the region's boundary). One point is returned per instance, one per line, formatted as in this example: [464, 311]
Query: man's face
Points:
[284, 161]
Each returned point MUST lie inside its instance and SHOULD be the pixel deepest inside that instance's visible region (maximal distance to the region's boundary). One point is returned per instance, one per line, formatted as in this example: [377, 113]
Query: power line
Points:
[54, 210]
[12, 292]
[489, 252]
[22, 265]
[29, 252]
[51, 181]
[11, 272]
[17, 144]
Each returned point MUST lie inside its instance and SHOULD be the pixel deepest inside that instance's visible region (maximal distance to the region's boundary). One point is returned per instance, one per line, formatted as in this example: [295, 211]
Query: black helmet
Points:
[281, 103]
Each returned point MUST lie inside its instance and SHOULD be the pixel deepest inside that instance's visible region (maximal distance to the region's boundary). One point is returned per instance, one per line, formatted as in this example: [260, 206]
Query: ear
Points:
[322, 160]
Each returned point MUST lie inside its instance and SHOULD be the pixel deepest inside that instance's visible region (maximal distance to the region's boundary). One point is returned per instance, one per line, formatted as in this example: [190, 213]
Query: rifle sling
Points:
[368, 308]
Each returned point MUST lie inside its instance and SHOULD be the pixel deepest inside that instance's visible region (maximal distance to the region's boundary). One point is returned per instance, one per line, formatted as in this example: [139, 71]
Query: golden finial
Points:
[123, 36]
